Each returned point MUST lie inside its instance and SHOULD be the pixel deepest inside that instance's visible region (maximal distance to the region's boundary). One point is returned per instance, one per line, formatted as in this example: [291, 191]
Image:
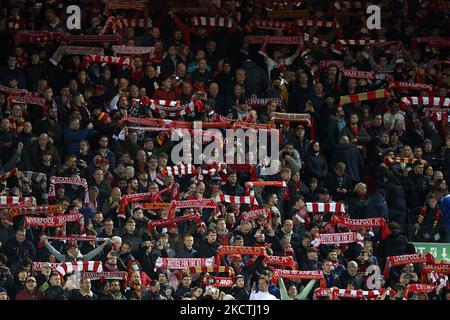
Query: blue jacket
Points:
[72, 138]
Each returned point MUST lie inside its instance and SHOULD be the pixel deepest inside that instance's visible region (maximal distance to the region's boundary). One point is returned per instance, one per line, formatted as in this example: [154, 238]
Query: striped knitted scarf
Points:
[401, 160]
[402, 260]
[347, 293]
[437, 116]
[133, 50]
[344, 5]
[370, 95]
[160, 123]
[212, 22]
[437, 269]
[307, 38]
[97, 58]
[210, 269]
[78, 266]
[325, 207]
[184, 169]
[7, 202]
[182, 263]
[405, 102]
[76, 50]
[365, 223]
[72, 181]
[77, 238]
[292, 117]
[195, 106]
[250, 200]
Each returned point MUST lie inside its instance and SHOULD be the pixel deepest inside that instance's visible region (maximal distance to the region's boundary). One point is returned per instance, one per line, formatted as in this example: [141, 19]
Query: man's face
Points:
[263, 286]
[189, 242]
[232, 179]
[326, 266]
[55, 280]
[288, 225]
[333, 256]
[85, 284]
[130, 227]
[20, 236]
[354, 119]
[418, 170]
[186, 281]
[114, 287]
[214, 89]
[104, 142]
[352, 270]
[162, 278]
[98, 218]
[212, 237]
[12, 61]
[98, 176]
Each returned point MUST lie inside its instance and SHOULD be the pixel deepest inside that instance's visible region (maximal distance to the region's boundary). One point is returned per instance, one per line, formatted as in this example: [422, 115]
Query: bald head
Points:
[345, 139]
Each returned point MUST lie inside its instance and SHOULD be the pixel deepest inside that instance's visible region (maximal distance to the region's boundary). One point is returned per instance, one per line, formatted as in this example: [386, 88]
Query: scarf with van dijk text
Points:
[394, 261]
[73, 50]
[97, 58]
[72, 181]
[232, 250]
[405, 102]
[182, 263]
[370, 95]
[365, 223]
[78, 266]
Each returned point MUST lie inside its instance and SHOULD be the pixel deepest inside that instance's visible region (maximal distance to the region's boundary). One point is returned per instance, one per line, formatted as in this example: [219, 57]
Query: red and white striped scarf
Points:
[316, 23]
[366, 223]
[23, 96]
[10, 201]
[182, 263]
[254, 214]
[342, 5]
[37, 266]
[358, 74]
[352, 42]
[325, 207]
[34, 37]
[401, 260]
[307, 38]
[437, 116]
[195, 106]
[266, 24]
[101, 38]
[124, 5]
[364, 96]
[299, 275]
[250, 200]
[405, 102]
[77, 50]
[135, 197]
[77, 238]
[28, 100]
[347, 293]
[160, 123]
[97, 58]
[33, 210]
[72, 181]
[133, 50]
[137, 23]
[294, 40]
[78, 266]
[212, 22]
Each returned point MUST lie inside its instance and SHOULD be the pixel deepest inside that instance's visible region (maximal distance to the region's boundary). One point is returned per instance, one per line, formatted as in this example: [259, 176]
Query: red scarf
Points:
[182, 263]
[370, 95]
[254, 214]
[72, 181]
[365, 223]
[97, 58]
[401, 260]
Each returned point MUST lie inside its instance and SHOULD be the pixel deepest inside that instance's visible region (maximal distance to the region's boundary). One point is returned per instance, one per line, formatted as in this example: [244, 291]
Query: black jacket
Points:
[207, 250]
[354, 163]
[55, 293]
